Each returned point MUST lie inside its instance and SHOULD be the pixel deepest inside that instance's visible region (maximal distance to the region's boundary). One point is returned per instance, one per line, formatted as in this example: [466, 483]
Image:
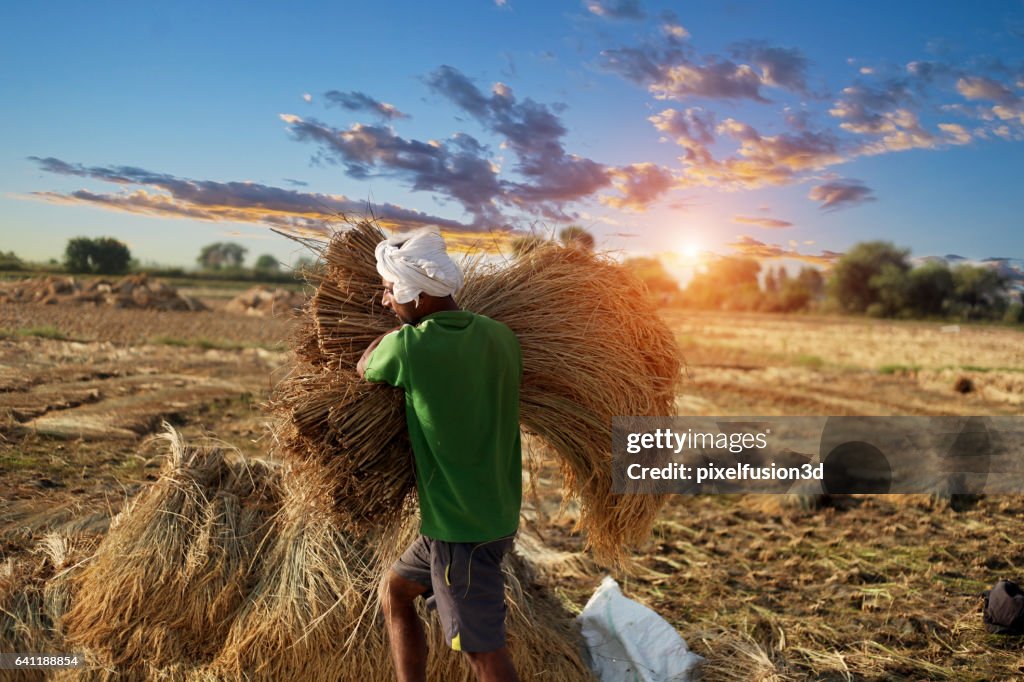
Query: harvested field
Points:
[134, 291]
[266, 302]
[872, 588]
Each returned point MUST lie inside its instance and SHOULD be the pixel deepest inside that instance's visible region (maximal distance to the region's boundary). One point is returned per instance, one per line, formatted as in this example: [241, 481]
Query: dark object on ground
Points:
[1004, 609]
[963, 385]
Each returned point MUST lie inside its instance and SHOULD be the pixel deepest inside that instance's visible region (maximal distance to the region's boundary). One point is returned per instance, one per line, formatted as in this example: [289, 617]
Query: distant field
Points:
[866, 588]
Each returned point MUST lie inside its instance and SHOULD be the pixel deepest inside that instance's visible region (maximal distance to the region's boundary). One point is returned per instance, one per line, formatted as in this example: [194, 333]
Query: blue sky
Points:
[784, 129]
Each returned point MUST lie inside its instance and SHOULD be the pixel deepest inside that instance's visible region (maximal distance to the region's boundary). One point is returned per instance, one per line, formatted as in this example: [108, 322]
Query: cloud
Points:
[716, 79]
[692, 129]
[358, 101]
[168, 196]
[307, 97]
[672, 72]
[533, 133]
[296, 183]
[863, 109]
[615, 9]
[771, 223]
[640, 184]
[956, 133]
[840, 194]
[759, 159]
[543, 179]
[781, 67]
[458, 168]
[978, 87]
[674, 31]
[746, 245]
[769, 159]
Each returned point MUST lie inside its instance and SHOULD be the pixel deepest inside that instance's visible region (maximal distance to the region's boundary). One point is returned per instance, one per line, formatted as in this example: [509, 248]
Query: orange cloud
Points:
[770, 223]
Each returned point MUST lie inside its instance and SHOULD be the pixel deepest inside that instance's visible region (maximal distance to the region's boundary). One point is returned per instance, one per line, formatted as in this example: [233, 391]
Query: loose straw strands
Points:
[164, 585]
[593, 348]
[294, 598]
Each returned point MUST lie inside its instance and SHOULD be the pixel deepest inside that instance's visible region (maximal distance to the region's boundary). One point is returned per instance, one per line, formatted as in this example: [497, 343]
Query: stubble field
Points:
[763, 587]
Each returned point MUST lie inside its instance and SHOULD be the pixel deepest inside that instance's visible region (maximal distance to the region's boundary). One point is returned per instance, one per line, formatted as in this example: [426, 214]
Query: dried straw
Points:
[593, 348]
[165, 583]
[292, 599]
[34, 592]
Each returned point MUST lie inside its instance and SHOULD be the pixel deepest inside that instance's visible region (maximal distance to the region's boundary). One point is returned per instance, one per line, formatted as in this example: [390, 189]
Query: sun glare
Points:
[691, 251]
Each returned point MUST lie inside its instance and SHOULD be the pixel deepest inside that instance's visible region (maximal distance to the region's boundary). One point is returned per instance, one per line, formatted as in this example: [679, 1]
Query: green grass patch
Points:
[202, 342]
[19, 461]
[810, 361]
[210, 344]
[898, 369]
[976, 368]
[46, 332]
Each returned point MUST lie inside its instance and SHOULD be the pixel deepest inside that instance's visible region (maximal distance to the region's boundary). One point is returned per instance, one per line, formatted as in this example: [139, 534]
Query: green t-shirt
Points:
[461, 374]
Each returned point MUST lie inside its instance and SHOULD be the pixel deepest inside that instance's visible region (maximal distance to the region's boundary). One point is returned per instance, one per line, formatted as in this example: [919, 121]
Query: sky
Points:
[781, 130]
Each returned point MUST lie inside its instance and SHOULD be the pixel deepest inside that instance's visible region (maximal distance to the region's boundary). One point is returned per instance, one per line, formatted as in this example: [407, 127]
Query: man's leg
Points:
[405, 631]
[469, 588]
[493, 666]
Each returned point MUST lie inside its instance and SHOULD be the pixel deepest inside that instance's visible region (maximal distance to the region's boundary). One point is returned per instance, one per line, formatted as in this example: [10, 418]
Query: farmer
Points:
[461, 374]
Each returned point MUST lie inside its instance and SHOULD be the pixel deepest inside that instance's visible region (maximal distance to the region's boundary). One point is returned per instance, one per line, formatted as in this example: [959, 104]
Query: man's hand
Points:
[365, 360]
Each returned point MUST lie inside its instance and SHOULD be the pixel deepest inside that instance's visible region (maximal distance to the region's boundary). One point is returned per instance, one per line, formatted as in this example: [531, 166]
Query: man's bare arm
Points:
[365, 360]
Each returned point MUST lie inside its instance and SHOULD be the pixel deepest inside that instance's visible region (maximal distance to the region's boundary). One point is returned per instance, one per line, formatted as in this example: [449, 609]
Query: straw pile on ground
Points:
[593, 348]
[133, 291]
[266, 302]
[174, 568]
[230, 569]
[34, 591]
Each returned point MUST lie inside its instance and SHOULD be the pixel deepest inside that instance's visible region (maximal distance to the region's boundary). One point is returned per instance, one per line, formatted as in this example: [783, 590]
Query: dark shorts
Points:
[465, 583]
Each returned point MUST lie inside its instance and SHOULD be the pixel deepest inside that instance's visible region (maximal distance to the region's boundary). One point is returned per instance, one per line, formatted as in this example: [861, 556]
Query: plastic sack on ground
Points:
[628, 642]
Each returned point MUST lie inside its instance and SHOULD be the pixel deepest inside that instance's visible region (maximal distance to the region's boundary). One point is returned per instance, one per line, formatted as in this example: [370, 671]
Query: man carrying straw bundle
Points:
[461, 374]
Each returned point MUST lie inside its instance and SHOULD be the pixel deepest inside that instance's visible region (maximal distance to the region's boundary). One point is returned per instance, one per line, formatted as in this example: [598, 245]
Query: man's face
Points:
[406, 312]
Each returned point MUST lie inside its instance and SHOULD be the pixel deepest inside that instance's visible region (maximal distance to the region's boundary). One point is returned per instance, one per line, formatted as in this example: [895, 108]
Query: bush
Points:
[102, 256]
[663, 287]
[10, 261]
[978, 292]
[1014, 313]
[222, 255]
[862, 270]
[728, 283]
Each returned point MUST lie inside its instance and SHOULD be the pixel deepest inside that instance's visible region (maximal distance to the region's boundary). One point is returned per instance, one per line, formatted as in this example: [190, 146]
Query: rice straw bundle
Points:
[593, 348]
[34, 593]
[164, 585]
[313, 612]
[304, 608]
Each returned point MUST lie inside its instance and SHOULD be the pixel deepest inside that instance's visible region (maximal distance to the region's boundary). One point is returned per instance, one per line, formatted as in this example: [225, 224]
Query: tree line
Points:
[109, 256]
[873, 278]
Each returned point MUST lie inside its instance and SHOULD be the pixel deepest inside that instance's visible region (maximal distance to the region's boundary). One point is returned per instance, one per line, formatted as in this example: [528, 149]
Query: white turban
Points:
[418, 263]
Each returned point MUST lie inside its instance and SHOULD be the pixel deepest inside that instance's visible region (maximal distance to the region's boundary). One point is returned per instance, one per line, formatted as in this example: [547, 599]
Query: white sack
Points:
[629, 642]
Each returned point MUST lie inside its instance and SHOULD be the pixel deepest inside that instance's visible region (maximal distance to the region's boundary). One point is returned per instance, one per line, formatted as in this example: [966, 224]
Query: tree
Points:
[729, 283]
[10, 261]
[662, 286]
[930, 288]
[575, 235]
[222, 254]
[524, 244]
[102, 256]
[267, 263]
[978, 292]
[785, 294]
[851, 280]
[812, 280]
[891, 287]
